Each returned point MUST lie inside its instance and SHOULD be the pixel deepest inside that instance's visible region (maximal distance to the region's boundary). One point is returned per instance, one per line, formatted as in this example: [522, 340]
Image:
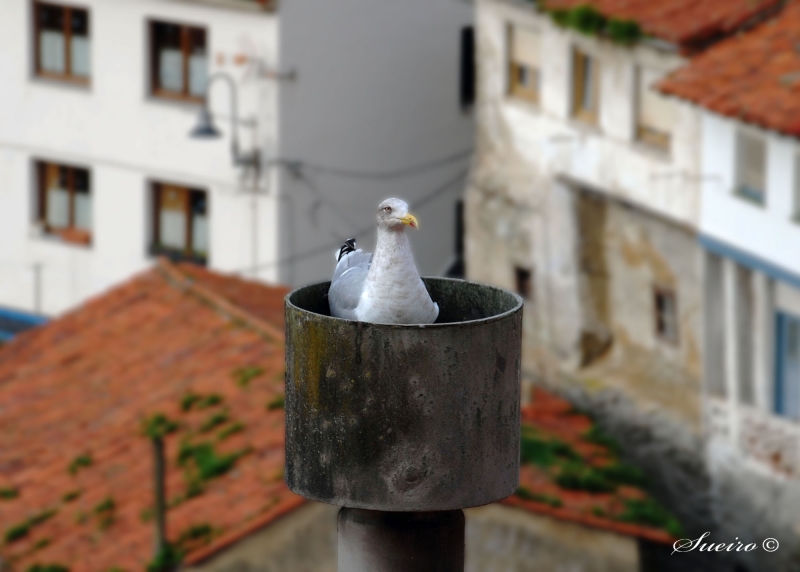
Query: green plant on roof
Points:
[146, 514]
[188, 400]
[649, 513]
[599, 512]
[104, 511]
[201, 463]
[71, 495]
[41, 543]
[579, 477]
[543, 452]
[624, 474]
[596, 436]
[586, 19]
[277, 402]
[80, 462]
[167, 559]
[15, 532]
[232, 429]
[194, 535]
[158, 426]
[213, 421]
[625, 32]
[244, 375]
[41, 517]
[196, 401]
[526, 494]
[560, 17]
[8, 493]
[46, 568]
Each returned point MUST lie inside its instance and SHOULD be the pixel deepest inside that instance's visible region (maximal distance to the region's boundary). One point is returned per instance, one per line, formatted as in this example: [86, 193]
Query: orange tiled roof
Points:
[754, 77]
[82, 385]
[688, 23]
[554, 420]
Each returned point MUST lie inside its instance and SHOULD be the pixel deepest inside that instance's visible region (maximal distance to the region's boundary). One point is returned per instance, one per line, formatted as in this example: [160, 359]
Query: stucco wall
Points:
[377, 90]
[127, 139]
[725, 215]
[600, 220]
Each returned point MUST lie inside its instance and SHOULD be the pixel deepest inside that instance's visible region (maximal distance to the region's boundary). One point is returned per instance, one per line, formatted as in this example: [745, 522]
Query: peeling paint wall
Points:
[602, 221]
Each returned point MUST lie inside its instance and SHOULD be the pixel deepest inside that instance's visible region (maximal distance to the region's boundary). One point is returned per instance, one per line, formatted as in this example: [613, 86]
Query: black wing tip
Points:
[348, 246]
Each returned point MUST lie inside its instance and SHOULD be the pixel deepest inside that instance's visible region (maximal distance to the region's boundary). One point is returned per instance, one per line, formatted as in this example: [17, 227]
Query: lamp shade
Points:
[205, 128]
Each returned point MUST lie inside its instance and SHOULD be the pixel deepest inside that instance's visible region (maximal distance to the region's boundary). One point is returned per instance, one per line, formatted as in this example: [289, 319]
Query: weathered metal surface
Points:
[374, 541]
[405, 418]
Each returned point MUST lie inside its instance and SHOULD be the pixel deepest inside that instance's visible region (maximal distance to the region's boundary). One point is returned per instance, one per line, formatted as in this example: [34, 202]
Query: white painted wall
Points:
[606, 157]
[127, 139]
[377, 90]
[769, 231]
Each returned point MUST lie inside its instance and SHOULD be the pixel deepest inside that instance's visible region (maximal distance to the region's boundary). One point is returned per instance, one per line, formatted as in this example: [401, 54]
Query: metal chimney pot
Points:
[404, 419]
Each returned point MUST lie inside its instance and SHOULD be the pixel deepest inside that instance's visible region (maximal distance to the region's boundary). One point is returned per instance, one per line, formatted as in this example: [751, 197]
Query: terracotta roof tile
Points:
[754, 77]
[82, 384]
[688, 23]
[550, 419]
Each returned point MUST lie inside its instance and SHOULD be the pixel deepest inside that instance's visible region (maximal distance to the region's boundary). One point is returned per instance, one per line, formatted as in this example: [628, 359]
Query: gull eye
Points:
[387, 209]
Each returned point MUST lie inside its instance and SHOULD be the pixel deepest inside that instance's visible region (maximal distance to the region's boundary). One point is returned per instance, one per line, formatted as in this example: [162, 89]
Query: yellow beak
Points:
[410, 220]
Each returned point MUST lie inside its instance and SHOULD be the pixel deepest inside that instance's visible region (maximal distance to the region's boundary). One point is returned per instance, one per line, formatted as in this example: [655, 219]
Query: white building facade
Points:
[342, 107]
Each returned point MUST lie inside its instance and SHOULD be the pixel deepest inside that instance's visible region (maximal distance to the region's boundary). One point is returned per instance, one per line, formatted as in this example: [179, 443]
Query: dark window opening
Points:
[467, 91]
[524, 282]
[666, 315]
[180, 223]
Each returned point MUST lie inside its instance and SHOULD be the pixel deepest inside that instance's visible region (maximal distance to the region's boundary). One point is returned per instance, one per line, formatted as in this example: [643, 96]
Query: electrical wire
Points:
[412, 170]
[440, 189]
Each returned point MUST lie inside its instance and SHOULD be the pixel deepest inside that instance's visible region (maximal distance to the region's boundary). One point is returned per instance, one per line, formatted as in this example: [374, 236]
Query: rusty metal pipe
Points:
[377, 541]
[399, 418]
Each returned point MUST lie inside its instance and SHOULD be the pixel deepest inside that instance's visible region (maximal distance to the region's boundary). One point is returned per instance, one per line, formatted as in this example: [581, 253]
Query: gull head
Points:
[393, 214]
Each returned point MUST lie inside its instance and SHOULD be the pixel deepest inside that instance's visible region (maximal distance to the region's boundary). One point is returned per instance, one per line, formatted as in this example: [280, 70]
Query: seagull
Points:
[384, 287]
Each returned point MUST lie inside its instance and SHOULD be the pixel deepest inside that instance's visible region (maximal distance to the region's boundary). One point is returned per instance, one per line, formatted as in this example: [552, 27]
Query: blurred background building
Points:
[634, 177]
[100, 174]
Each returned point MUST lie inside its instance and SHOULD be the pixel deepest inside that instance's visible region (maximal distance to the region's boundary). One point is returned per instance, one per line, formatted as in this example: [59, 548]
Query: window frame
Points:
[187, 254]
[515, 88]
[663, 333]
[779, 405]
[185, 34]
[69, 233]
[67, 76]
[739, 188]
[645, 134]
[578, 67]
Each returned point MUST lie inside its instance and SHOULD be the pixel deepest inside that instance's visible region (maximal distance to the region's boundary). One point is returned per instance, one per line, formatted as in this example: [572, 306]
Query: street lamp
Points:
[205, 128]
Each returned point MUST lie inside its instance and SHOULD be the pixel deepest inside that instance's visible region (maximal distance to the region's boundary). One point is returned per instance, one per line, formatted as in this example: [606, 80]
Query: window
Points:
[751, 152]
[585, 86]
[787, 380]
[61, 42]
[655, 113]
[524, 281]
[178, 61]
[467, 91]
[666, 315]
[524, 64]
[65, 202]
[180, 223]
